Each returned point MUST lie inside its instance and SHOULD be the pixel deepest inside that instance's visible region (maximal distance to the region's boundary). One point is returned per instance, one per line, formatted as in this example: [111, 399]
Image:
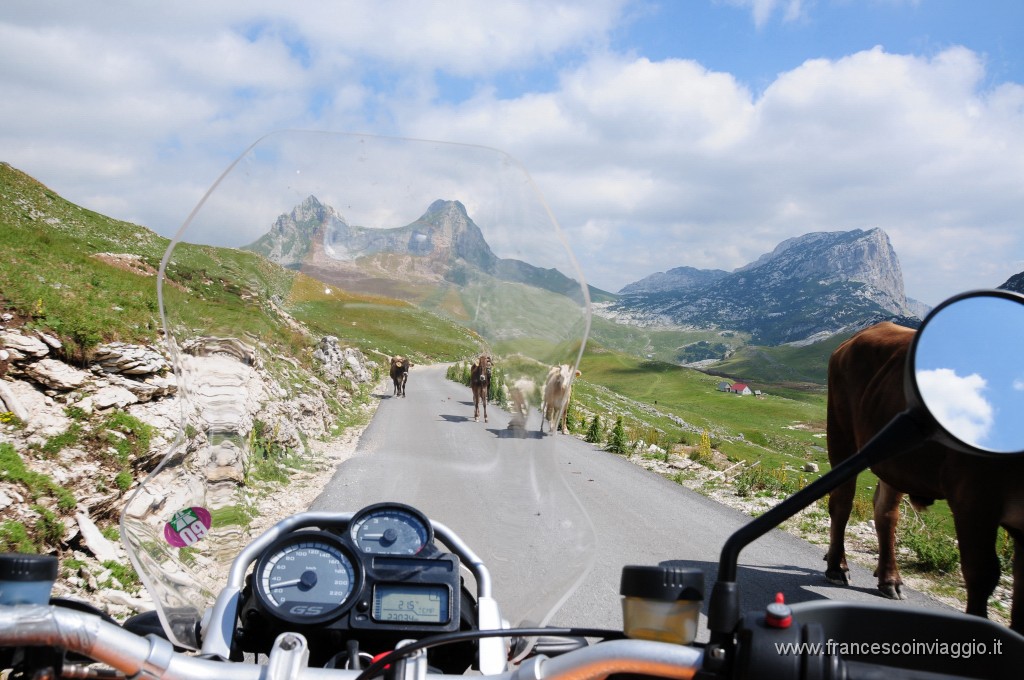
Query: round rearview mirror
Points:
[967, 368]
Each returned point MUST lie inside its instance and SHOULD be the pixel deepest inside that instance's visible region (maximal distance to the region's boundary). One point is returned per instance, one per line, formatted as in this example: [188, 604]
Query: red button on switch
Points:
[778, 614]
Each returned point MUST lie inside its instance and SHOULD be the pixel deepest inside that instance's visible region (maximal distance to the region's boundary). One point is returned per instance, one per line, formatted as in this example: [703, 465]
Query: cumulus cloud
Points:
[958, 403]
[914, 145]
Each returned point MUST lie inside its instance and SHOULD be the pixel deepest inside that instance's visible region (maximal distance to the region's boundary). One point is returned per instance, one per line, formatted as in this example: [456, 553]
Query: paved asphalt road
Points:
[497, 492]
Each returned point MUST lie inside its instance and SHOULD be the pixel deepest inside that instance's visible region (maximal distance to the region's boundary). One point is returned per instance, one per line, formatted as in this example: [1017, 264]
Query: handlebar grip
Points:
[859, 670]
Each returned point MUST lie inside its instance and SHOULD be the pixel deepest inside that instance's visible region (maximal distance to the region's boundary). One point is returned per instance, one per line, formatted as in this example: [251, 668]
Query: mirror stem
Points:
[907, 430]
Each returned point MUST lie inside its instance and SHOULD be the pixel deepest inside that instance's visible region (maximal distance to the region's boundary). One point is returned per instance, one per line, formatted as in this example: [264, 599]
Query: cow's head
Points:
[484, 364]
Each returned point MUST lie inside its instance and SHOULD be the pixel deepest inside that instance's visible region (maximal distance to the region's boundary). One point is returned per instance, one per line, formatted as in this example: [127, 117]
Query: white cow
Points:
[523, 392]
[557, 392]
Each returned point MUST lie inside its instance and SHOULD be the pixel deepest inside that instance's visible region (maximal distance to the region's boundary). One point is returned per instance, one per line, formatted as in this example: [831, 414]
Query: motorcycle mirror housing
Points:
[965, 370]
[964, 386]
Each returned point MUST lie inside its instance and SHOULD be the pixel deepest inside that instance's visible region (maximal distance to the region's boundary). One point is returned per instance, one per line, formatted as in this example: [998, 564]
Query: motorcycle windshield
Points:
[438, 253]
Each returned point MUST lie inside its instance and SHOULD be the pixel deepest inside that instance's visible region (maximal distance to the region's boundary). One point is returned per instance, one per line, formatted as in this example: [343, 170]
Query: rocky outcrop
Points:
[226, 389]
[336, 362]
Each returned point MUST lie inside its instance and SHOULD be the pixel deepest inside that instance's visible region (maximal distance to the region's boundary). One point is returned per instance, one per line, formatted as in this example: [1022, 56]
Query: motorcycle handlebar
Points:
[154, 657]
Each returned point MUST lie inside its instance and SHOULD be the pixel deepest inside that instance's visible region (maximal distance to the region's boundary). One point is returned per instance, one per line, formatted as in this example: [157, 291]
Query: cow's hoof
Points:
[838, 577]
[475, 419]
[893, 591]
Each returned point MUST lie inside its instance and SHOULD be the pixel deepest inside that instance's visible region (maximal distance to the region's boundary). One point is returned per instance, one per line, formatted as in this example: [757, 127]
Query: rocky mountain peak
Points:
[818, 283]
[856, 256]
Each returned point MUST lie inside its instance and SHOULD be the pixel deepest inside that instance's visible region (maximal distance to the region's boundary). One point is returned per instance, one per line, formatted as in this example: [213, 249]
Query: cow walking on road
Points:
[865, 391]
[480, 382]
[557, 392]
[400, 374]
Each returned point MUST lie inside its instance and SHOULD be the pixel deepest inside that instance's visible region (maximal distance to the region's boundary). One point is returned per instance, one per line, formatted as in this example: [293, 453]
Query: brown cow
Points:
[400, 374]
[557, 392]
[865, 391]
[480, 382]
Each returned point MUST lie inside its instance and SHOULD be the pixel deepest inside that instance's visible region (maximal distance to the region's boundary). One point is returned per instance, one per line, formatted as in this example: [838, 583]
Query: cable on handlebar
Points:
[396, 655]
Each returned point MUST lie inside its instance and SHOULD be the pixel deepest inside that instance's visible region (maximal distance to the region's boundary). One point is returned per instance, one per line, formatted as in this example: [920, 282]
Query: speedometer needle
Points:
[308, 579]
[285, 584]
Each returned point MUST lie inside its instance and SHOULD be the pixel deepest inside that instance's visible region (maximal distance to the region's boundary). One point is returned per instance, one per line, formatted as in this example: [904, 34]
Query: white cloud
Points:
[762, 10]
[958, 403]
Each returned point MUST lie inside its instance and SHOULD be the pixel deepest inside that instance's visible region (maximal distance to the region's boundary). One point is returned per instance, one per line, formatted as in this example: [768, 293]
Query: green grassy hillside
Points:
[783, 424]
[781, 364]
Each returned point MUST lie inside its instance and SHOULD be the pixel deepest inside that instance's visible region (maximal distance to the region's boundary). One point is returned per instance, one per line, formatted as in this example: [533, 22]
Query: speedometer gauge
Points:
[307, 577]
[391, 529]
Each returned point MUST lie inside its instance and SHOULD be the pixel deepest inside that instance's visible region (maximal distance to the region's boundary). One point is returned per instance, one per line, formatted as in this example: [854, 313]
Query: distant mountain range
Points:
[807, 288]
[810, 286]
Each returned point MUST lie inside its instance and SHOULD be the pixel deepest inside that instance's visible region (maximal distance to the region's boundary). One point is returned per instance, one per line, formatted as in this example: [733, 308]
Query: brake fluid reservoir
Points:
[661, 603]
[26, 579]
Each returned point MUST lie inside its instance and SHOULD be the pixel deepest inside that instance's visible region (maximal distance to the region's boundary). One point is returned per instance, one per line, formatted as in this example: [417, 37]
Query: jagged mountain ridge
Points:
[315, 233]
[679, 278]
[444, 231]
[816, 284]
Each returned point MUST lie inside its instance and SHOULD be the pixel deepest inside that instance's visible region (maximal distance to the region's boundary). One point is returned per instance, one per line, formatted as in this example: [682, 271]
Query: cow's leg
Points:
[483, 398]
[840, 505]
[887, 516]
[1017, 609]
[976, 534]
[476, 405]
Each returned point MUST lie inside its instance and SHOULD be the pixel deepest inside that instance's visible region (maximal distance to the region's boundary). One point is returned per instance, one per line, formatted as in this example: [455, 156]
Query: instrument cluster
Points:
[381, 572]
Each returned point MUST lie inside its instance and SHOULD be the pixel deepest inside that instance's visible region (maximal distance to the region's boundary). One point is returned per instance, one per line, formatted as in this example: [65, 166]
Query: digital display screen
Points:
[400, 603]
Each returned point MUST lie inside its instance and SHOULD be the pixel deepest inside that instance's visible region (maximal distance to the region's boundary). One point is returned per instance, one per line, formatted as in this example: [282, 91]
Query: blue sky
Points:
[697, 132]
[756, 47]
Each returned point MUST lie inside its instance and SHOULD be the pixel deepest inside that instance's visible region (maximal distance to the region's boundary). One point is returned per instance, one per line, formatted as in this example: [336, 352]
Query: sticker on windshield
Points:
[187, 526]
